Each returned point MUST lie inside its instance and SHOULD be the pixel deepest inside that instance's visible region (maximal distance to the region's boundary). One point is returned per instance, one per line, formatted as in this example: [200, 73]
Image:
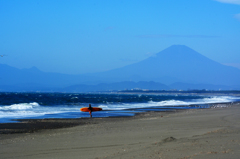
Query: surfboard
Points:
[86, 109]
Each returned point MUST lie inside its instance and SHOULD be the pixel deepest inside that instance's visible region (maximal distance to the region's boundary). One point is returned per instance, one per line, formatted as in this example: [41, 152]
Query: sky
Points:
[87, 36]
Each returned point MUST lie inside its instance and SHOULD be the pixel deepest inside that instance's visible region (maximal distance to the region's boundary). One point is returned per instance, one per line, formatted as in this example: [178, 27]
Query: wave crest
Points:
[20, 106]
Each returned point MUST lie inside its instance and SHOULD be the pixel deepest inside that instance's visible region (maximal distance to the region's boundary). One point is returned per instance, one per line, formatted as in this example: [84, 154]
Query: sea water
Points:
[67, 105]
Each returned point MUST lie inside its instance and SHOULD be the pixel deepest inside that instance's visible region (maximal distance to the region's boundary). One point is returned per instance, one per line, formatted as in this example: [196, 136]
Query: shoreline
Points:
[34, 125]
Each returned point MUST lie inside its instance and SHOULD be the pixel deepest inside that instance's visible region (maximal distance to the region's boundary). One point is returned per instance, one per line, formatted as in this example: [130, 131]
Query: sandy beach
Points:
[203, 133]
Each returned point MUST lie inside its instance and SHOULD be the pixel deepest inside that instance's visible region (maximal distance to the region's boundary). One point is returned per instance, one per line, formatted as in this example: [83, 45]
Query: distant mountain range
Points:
[177, 67]
[126, 85]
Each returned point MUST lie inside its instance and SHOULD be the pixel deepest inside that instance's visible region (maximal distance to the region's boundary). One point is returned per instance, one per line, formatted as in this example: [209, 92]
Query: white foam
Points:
[32, 109]
[20, 106]
[208, 100]
[19, 114]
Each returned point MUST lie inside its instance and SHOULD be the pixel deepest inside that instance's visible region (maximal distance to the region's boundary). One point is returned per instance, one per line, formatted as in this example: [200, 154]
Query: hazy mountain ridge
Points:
[125, 85]
[14, 76]
[177, 67]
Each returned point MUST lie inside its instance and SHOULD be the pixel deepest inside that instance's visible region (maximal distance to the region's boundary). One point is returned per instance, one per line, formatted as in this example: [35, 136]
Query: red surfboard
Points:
[86, 109]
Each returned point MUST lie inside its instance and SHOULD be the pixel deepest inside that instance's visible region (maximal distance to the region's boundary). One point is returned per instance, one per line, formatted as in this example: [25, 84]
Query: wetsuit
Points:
[90, 108]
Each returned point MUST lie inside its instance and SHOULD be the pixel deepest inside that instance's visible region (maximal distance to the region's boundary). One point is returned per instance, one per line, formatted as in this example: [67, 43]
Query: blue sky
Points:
[74, 36]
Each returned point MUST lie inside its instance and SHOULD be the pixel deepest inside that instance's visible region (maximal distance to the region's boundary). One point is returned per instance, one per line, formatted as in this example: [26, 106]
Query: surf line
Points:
[90, 109]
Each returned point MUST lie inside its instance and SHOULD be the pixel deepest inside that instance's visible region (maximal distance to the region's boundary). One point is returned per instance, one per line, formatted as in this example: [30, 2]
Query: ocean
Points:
[15, 106]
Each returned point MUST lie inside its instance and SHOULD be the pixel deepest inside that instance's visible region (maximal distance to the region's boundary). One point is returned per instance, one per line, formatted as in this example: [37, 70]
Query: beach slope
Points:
[203, 133]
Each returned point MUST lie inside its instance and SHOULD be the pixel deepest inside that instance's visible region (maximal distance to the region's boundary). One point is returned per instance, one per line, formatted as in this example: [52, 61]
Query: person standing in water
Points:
[90, 108]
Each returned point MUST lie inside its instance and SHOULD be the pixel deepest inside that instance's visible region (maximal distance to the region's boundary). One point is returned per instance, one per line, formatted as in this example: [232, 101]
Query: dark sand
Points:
[203, 133]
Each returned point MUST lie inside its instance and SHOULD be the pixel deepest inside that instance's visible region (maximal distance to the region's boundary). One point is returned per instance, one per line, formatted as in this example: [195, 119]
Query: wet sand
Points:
[203, 133]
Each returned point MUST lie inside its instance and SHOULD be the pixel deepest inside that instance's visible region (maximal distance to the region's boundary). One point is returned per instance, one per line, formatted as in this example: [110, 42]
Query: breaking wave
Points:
[21, 106]
[208, 100]
[108, 103]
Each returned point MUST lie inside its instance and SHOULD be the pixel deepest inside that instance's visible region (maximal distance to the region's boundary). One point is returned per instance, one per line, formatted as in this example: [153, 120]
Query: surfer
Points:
[90, 108]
